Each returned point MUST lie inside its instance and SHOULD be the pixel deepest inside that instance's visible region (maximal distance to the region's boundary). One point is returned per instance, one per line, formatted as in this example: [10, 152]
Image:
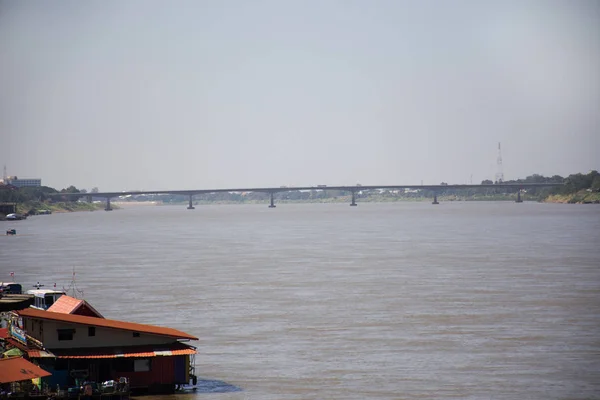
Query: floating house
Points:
[76, 347]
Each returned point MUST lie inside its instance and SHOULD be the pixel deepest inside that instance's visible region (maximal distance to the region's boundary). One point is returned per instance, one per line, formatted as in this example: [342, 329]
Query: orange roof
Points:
[69, 305]
[173, 349]
[65, 304]
[16, 369]
[105, 323]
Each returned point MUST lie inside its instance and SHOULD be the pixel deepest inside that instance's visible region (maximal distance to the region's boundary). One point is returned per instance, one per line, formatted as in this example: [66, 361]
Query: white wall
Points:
[46, 331]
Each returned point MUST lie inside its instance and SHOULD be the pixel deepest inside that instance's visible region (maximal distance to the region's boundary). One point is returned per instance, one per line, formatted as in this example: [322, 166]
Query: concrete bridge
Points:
[351, 189]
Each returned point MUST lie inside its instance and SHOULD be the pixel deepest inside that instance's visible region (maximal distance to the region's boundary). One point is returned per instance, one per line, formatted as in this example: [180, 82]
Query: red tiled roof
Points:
[69, 305]
[3, 333]
[16, 369]
[106, 323]
[173, 349]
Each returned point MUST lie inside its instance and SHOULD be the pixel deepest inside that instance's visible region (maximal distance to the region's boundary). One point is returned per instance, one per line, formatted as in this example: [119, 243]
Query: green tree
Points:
[70, 189]
[596, 183]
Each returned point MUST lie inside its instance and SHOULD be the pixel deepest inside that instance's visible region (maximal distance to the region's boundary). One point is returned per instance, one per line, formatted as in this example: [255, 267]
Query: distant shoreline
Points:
[136, 203]
[68, 207]
[342, 200]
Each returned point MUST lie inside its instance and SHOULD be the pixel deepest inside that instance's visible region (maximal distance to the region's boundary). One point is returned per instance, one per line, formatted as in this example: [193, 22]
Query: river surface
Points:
[465, 300]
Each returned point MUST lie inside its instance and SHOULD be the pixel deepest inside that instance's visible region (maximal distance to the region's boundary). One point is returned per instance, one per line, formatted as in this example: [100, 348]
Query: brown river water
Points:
[464, 300]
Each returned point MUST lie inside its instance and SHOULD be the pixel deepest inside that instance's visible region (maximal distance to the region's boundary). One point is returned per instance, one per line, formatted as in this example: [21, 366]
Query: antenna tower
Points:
[4, 176]
[499, 172]
[73, 287]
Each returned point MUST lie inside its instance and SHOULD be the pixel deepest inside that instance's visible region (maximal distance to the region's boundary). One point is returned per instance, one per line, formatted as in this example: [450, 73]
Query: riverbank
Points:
[134, 203]
[32, 207]
[581, 197]
[577, 198]
[338, 199]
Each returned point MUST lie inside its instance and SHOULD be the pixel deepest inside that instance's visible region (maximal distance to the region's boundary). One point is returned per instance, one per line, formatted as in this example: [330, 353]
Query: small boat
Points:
[11, 232]
[11, 288]
[44, 298]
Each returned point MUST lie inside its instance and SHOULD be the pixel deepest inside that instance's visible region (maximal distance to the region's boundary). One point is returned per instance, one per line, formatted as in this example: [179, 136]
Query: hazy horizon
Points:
[149, 95]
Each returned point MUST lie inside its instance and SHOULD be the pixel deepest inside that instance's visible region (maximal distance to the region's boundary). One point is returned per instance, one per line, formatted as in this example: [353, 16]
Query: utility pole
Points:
[499, 172]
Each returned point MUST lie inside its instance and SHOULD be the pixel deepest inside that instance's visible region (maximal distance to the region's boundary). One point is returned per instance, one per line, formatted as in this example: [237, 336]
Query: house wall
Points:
[47, 332]
[162, 373]
[166, 371]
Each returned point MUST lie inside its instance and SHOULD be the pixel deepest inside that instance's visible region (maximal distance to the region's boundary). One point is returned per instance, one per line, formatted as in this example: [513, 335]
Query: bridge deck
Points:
[188, 192]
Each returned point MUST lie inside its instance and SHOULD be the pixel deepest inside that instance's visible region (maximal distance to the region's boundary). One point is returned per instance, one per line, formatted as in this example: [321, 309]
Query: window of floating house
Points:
[136, 334]
[123, 364]
[142, 365]
[65, 334]
[61, 364]
[91, 331]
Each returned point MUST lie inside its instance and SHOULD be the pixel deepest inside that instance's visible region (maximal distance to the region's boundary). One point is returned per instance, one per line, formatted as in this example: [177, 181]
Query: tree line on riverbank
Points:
[32, 199]
[574, 188]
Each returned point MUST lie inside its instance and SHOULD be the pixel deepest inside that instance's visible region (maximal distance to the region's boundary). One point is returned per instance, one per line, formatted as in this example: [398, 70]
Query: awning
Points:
[19, 369]
[14, 352]
[40, 354]
[173, 349]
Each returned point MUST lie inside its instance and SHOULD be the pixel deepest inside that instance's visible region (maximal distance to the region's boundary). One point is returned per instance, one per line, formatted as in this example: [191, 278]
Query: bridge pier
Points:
[519, 199]
[435, 200]
[191, 206]
[89, 199]
[353, 204]
[272, 205]
[108, 207]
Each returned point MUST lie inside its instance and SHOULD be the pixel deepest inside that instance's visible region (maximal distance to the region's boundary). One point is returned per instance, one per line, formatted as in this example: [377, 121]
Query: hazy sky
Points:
[216, 94]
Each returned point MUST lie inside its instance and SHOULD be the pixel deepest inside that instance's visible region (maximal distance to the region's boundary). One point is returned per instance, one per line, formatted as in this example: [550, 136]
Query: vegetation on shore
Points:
[581, 197]
[576, 188]
[34, 207]
[33, 200]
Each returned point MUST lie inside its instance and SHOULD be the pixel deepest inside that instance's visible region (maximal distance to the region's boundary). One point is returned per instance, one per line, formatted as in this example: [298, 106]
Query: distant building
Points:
[13, 180]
